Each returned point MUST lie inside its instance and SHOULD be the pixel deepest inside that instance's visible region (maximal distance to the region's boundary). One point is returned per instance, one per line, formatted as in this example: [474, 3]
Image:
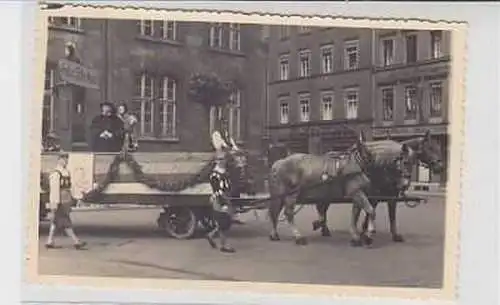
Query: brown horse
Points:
[291, 179]
[425, 150]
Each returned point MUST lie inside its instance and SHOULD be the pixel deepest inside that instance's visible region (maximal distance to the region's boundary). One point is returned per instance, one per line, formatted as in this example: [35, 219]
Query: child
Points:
[129, 122]
[61, 201]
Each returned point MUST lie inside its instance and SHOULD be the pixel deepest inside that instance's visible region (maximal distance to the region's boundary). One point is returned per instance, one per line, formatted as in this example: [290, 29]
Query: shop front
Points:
[319, 137]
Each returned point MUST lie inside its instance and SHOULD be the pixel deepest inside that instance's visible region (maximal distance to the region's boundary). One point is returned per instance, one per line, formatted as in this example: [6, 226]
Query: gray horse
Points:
[292, 179]
[425, 150]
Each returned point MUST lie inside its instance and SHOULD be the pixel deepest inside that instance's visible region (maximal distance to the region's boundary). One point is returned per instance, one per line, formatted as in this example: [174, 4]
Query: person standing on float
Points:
[107, 130]
[61, 202]
[129, 124]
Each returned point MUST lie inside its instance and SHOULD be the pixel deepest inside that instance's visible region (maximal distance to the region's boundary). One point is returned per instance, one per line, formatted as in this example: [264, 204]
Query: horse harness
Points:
[364, 161]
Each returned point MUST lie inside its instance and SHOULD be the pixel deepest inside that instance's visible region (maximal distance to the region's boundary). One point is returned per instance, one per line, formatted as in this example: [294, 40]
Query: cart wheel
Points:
[178, 222]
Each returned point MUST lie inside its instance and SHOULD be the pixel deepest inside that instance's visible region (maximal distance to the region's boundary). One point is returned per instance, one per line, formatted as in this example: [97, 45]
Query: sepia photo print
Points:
[272, 151]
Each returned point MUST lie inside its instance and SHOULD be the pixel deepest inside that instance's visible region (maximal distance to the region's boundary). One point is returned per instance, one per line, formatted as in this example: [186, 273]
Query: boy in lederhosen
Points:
[61, 201]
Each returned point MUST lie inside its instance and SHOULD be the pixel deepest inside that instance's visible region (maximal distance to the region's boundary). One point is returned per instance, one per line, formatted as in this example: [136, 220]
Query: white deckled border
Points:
[456, 164]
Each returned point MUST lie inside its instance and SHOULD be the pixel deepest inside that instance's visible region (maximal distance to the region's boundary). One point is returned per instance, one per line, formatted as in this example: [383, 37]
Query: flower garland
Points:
[141, 177]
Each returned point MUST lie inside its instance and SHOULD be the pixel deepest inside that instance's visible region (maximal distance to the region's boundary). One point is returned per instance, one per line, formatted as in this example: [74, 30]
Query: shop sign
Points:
[76, 74]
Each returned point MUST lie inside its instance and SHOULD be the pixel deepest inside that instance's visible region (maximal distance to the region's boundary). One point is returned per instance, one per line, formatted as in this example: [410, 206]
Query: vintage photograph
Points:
[244, 152]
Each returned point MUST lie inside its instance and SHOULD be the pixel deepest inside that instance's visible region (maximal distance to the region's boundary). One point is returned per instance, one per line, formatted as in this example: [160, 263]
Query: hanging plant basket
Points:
[209, 90]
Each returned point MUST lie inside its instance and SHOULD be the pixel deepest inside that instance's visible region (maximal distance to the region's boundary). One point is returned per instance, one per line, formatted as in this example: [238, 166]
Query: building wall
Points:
[87, 39]
[115, 49]
[370, 78]
[337, 82]
[420, 74]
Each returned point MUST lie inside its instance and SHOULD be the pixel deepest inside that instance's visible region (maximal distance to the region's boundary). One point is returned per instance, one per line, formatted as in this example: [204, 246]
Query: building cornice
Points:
[319, 123]
[401, 66]
[320, 75]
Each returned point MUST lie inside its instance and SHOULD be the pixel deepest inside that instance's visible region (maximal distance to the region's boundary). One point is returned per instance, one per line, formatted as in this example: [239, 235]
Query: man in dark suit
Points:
[107, 130]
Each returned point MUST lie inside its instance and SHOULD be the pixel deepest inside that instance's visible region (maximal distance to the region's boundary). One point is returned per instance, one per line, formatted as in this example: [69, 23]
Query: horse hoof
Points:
[397, 238]
[274, 237]
[355, 243]
[316, 225]
[301, 241]
[326, 233]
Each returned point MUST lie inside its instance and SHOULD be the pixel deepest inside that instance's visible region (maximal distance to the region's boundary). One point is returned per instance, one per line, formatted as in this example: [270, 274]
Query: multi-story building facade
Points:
[327, 83]
[319, 86]
[147, 64]
[411, 92]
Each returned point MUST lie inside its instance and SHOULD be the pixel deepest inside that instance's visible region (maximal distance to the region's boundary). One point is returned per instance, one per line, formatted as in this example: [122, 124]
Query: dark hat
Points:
[106, 104]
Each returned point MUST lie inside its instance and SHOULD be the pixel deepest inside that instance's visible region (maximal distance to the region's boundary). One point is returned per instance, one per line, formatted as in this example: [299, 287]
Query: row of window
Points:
[351, 60]
[388, 48]
[351, 102]
[155, 105]
[411, 101]
[167, 30]
[162, 29]
[352, 55]
[216, 36]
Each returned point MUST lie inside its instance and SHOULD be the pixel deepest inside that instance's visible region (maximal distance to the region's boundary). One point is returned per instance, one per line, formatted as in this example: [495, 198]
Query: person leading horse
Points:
[224, 182]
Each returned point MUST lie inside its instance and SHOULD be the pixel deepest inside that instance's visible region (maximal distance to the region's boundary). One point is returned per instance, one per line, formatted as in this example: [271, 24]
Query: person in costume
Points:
[221, 186]
[221, 205]
[129, 122]
[107, 130]
[222, 143]
[60, 204]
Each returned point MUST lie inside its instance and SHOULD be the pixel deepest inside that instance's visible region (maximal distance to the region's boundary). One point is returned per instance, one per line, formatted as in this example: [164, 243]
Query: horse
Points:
[291, 178]
[424, 149]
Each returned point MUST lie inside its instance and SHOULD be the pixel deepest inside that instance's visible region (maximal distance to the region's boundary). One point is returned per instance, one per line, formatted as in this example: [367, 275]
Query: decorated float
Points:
[175, 181]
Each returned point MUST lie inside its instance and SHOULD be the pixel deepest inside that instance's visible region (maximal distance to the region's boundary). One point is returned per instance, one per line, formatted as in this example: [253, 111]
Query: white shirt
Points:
[219, 143]
[55, 186]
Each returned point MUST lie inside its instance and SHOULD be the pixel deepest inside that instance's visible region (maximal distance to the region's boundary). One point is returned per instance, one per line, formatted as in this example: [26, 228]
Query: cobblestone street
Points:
[126, 243]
